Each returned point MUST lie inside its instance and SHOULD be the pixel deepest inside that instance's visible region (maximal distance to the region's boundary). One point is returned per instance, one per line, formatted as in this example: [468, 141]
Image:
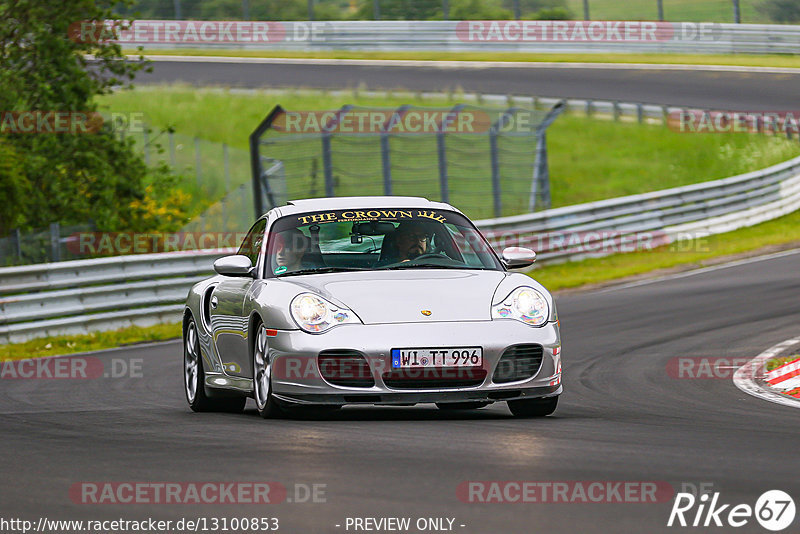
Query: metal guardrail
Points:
[74, 297]
[99, 294]
[651, 219]
[504, 36]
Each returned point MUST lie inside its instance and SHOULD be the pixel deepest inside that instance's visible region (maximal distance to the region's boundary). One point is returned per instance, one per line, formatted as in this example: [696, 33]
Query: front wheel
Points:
[266, 404]
[533, 407]
[194, 378]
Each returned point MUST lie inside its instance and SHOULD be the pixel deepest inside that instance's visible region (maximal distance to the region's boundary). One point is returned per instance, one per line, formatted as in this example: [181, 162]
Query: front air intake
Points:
[435, 378]
[345, 367]
[519, 362]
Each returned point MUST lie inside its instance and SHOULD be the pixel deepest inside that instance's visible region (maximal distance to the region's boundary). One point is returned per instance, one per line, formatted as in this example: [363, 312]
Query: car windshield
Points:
[376, 239]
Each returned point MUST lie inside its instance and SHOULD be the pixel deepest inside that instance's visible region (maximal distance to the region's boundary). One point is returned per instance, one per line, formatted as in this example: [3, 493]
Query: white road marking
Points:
[745, 378]
[470, 64]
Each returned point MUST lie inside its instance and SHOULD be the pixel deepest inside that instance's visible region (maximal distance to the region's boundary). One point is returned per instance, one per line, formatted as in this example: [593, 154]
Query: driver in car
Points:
[412, 240]
[291, 246]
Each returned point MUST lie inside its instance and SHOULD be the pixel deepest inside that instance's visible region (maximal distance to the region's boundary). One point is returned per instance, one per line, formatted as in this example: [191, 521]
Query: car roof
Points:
[342, 203]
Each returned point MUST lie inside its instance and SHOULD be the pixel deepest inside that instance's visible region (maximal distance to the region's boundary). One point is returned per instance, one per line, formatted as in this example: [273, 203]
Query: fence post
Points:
[540, 185]
[226, 159]
[588, 108]
[541, 175]
[223, 227]
[376, 8]
[197, 170]
[498, 205]
[146, 147]
[55, 245]
[327, 166]
[386, 164]
[445, 10]
[441, 152]
[172, 161]
[16, 235]
[616, 111]
[640, 113]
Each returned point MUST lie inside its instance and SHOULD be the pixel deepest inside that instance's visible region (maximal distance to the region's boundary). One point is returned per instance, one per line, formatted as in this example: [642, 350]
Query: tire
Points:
[266, 403]
[466, 405]
[194, 379]
[533, 407]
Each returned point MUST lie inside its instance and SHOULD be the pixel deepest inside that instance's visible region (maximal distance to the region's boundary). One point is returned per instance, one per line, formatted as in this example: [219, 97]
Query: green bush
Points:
[479, 10]
[782, 10]
[551, 13]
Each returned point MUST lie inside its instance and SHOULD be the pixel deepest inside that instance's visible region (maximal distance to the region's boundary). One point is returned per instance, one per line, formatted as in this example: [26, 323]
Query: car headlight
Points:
[523, 304]
[315, 315]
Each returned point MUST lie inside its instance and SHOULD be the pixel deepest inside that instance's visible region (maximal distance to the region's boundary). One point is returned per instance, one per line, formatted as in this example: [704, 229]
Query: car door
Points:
[228, 316]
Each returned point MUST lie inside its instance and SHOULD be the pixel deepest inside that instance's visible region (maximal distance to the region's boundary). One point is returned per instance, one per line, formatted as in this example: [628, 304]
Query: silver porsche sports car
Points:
[370, 300]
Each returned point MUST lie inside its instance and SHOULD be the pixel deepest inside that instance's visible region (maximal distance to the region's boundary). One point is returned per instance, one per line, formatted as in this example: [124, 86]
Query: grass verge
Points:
[61, 345]
[777, 362]
[770, 236]
[736, 60]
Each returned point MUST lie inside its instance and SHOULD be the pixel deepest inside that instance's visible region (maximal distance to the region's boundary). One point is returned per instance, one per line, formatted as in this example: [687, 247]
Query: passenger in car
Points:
[291, 246]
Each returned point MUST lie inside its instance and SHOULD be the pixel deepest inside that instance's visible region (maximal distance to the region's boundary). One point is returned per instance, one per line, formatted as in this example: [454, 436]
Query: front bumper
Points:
[296, 377]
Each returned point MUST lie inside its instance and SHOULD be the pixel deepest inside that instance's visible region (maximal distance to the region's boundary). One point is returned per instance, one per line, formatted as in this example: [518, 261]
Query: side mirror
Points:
[236, 265]
[518, 257]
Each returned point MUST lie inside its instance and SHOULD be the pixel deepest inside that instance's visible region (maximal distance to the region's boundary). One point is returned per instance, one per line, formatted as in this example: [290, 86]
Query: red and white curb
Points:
[786, 378]
[752, 379]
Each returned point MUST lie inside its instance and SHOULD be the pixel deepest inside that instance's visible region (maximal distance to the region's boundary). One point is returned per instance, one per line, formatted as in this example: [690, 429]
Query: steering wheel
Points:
[431, 255]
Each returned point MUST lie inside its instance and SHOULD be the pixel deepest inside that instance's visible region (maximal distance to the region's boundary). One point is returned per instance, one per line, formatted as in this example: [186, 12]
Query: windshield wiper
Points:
[317, 270]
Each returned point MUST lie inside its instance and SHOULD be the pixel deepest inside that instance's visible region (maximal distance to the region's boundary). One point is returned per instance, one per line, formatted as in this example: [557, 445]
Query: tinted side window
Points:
[251, 246]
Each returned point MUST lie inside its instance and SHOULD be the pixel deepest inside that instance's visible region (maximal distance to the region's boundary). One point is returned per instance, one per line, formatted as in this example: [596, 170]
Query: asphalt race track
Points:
[622, 418]
[747, 91]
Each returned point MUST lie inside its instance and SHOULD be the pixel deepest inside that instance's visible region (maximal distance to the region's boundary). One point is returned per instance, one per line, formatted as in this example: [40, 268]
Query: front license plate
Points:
[438, 357]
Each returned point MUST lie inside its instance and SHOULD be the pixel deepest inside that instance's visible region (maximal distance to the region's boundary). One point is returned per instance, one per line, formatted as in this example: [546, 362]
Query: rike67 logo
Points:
[774, 510]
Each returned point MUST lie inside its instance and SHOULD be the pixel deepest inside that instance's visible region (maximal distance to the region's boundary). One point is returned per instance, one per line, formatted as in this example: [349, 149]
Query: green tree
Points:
[14, 188]
[69, 178]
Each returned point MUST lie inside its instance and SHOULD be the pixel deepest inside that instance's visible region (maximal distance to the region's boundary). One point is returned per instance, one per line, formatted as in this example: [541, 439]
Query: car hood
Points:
[401, 296]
